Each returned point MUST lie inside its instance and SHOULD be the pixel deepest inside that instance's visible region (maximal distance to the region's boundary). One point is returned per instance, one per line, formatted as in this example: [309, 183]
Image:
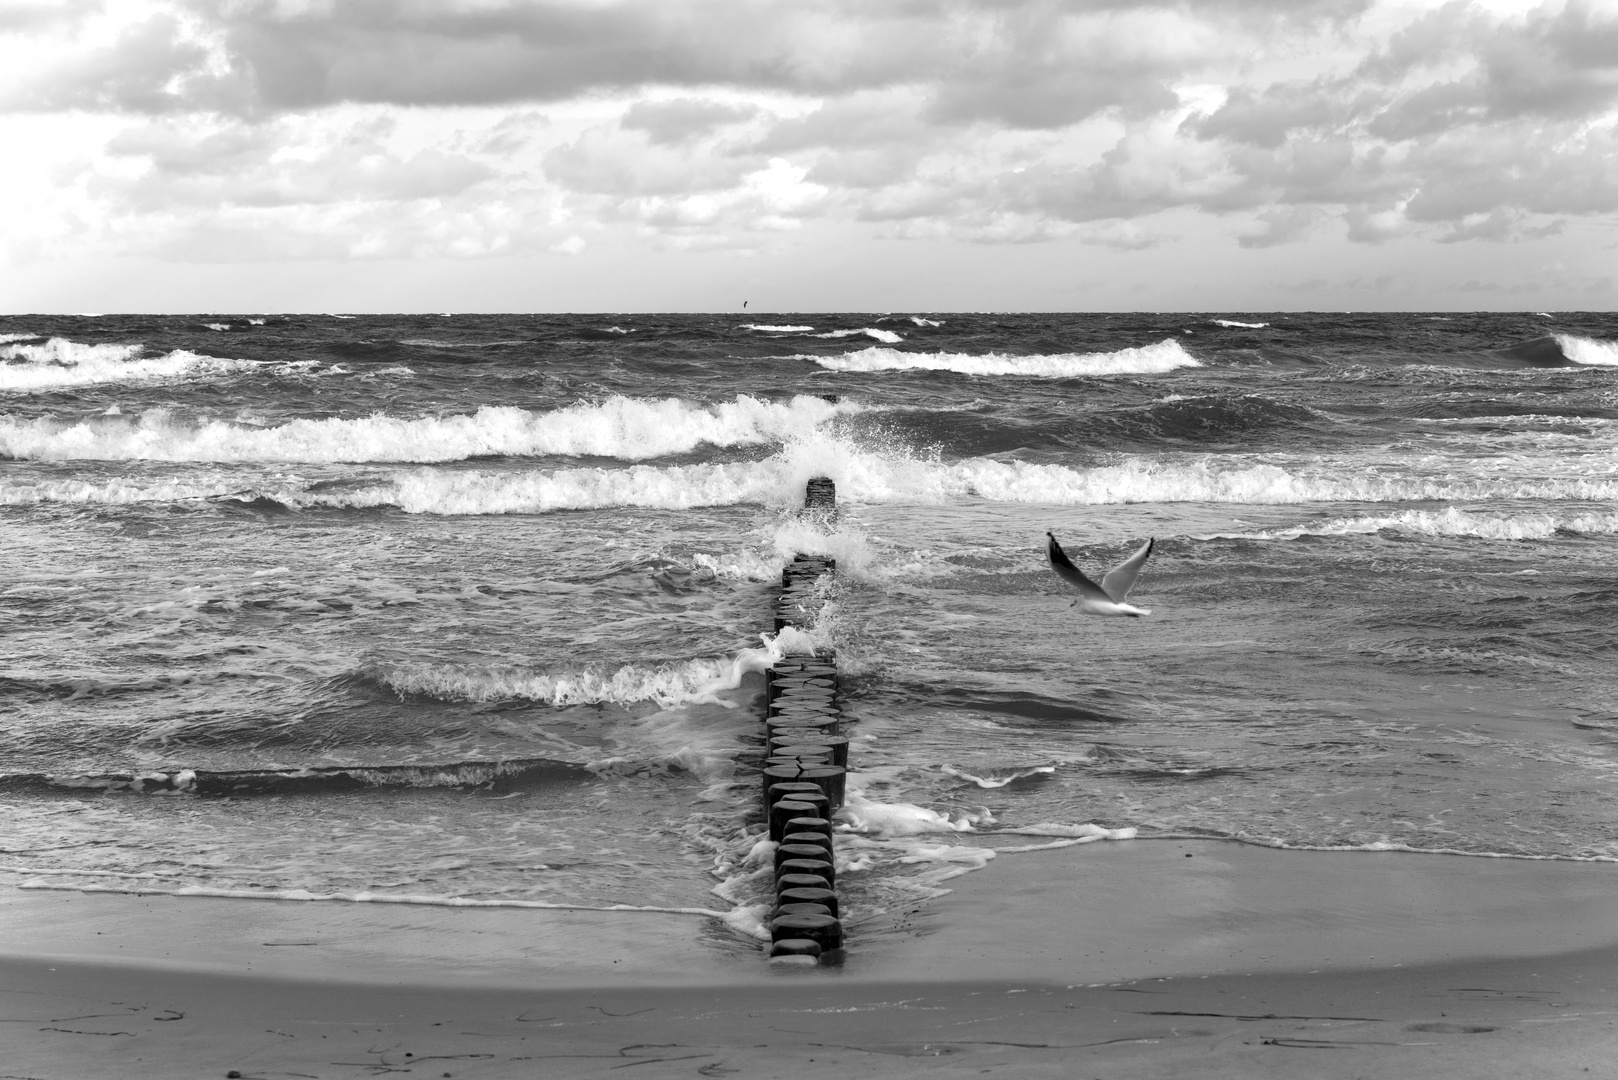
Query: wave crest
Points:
[620, 427]
[1166, 355]
[1588, 351]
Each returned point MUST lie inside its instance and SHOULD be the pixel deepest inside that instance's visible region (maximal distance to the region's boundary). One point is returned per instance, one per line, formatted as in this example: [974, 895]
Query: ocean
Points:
[474, 607]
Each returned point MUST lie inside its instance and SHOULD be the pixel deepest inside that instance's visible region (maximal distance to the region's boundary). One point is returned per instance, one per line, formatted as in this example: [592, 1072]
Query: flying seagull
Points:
[1108, 597]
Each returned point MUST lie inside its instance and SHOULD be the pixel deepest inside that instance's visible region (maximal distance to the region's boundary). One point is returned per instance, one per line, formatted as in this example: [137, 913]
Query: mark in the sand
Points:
[92, 1016]
[173, 1015]
[524, 1018]
[657, 1060]
[280, 944]
[604, 1012]
[1265, 1016]
[1441, 1028]
[75, 1031]
[716, 1069]
[1323, 1044]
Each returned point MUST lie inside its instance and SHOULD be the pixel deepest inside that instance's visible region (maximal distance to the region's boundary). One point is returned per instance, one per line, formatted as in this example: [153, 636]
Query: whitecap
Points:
[887, 337]
[1243, 325]
[777, 329]
[1166, 355]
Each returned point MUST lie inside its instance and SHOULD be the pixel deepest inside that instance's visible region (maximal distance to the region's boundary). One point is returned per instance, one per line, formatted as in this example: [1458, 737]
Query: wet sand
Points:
[1109, 960]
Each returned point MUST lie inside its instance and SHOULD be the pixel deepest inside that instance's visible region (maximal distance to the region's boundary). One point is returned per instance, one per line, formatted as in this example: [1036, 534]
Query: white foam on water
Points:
[1588, 351]
[1243, 325]
[255, 322]
[701, 680]
[1166, 355]
[767, 328]
[60, 362]
[619, 427]
[304, 896]
[919, 321]
[1447, 522]
[990, 782]
[887, 337]
[6, 339]
[112, 492]
[217, 326]
[867, 816]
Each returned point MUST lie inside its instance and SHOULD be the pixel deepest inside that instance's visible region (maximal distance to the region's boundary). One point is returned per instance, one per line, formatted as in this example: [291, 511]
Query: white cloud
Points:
[274, 129]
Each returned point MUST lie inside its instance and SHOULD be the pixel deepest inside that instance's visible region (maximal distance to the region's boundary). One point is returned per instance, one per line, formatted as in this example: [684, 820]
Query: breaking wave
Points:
[1236, 324]
[1588, 351]
[59, 362]
[1166, 355]
[697, 681]
[620, 427]
[860, 477]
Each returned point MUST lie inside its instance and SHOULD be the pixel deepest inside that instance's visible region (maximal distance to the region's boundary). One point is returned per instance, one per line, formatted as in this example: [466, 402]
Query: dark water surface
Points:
[511, 573]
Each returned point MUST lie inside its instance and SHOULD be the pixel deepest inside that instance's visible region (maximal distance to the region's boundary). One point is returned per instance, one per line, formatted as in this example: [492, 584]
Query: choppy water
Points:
[530, 557]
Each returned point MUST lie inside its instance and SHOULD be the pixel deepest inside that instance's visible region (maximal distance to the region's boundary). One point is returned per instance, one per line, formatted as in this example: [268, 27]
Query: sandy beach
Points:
[1161, 958]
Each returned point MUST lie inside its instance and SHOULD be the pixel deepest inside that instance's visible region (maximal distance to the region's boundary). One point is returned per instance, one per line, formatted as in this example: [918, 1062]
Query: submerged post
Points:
[805, 764]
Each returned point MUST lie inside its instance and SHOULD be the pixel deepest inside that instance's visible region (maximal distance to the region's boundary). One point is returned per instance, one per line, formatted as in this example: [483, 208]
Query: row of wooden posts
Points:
[805, 764]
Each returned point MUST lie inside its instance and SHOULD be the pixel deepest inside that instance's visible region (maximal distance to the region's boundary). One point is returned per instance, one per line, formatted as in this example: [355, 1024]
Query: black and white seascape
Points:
[473, 608]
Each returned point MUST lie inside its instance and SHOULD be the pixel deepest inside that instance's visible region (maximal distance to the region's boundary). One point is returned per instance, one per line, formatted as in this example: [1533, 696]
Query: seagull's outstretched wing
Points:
[1072, 574]
[1121, 578]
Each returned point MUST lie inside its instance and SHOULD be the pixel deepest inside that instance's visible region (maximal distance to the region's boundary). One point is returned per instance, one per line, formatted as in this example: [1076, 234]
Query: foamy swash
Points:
[619, 427]
[1166, 355]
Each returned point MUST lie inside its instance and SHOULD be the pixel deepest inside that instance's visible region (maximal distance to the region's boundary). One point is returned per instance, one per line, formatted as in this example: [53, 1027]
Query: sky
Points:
[808, 155]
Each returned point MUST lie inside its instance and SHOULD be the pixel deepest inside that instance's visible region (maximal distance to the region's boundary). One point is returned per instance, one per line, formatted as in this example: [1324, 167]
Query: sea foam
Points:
[60, 362]
[1450, 521]
[620, 427]
[1166, 355]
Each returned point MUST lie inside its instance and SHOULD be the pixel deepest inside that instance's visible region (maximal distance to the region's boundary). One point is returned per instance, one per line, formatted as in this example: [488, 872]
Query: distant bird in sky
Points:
[1108, 597]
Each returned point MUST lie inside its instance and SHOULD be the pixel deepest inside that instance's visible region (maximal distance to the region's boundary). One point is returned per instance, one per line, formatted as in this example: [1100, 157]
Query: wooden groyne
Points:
[805, 763]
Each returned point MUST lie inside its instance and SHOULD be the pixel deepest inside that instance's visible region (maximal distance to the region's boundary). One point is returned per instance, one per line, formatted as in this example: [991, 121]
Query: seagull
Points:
[1108, 597]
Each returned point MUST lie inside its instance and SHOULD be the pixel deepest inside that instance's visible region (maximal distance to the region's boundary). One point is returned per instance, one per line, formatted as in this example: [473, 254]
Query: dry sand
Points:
[1107, 960]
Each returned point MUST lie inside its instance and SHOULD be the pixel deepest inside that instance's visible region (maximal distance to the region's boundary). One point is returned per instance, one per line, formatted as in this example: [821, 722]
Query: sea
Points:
[473, 609]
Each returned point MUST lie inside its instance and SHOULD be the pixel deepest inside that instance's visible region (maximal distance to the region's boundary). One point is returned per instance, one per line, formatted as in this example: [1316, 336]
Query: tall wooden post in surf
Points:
[805, 763]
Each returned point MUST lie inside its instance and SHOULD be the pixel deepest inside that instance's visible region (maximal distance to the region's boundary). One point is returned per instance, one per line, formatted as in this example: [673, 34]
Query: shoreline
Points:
[1236, 961]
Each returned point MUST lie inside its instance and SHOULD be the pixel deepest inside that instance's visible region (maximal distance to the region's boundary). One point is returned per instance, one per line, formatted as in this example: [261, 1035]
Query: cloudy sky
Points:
[811, 155]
